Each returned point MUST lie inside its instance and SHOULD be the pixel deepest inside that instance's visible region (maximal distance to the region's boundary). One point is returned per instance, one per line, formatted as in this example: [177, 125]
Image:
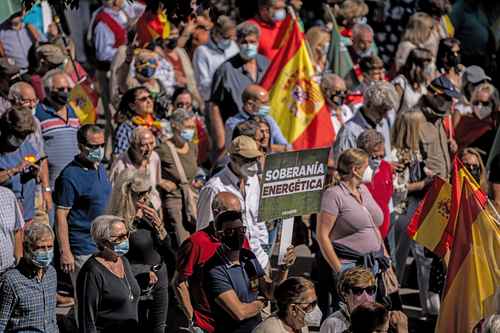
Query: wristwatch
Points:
[46, 189]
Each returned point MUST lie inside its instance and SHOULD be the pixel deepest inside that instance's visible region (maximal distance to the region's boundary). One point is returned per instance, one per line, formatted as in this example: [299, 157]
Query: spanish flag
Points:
[431, 218]
[297, 103]
[472, 288]
[151, 26]
[84, 100]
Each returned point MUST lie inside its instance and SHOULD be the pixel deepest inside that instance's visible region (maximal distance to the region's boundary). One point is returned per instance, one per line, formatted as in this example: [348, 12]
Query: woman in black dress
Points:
[107, 290]
[149, 246]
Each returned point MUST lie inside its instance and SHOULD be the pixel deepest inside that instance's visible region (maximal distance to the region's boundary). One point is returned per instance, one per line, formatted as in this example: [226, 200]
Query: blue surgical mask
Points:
[248, 51]
[121, 248]
[264, 110]
[224, 44]
[187, 134]
[279, 15]
[42, 258]
[148, 71]
[95, 155]
[374, 163]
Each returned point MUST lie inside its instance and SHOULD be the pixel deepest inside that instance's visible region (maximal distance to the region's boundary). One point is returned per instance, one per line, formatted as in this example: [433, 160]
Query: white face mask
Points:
[249, 169]
[313, 318]
[367, 175]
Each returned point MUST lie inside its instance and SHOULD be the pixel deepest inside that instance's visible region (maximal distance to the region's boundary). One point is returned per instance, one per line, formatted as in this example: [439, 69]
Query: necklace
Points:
[130, 295]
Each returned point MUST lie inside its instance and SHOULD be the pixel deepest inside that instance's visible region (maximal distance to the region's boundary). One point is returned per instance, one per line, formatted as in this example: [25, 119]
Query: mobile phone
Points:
[38, 162]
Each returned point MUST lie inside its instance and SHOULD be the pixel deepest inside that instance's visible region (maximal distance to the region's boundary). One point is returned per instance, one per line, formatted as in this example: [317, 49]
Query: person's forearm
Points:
[329, 254]
[417, 186]
[182, 293]
[44, 174]
[18, 248]
[249, 310]
[218, 132]
[279, 148]
[62, 230]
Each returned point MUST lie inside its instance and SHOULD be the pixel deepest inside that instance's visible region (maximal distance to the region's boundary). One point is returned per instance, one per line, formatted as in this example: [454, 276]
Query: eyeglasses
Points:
[61, 89]
[25, 101]
[119, 238]
[370, 290]
[183, 105]
[144, 98]
[231, 231]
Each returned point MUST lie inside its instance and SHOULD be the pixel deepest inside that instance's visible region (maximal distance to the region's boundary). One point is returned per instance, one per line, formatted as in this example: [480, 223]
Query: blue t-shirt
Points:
[220, 276]
[23, 184]
[85, 191]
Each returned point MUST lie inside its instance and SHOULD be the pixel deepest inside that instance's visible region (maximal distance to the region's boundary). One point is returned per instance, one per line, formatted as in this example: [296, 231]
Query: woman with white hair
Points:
[107, 291]
[149, 245]
[179, 166]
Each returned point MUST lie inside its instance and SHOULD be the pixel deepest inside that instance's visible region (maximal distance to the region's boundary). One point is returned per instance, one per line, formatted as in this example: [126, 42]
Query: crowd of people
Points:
[148, 217]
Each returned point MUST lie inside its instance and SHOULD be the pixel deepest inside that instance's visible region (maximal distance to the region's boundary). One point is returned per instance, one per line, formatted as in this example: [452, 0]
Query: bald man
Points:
[334, 89]
[256, 103]
[192, 255]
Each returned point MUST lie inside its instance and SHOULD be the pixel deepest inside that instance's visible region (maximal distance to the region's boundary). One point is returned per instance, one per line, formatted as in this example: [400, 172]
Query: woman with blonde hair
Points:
[319, 44]
[420, 32]
[348, 223]
[149, 246]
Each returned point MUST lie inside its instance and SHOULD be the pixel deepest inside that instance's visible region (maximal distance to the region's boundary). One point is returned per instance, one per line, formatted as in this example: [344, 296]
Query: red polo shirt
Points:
[191, 257]
[381, 189]
[268, 34]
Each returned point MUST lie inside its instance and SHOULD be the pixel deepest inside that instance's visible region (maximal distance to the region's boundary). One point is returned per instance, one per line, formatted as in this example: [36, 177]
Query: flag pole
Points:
[57, 21]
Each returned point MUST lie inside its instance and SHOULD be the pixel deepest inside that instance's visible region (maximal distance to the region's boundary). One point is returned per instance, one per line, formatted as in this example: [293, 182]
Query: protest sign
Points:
[292, 184]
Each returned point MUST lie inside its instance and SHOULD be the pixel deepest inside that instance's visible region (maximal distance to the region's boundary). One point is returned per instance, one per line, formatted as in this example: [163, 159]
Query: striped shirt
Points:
[59, 136]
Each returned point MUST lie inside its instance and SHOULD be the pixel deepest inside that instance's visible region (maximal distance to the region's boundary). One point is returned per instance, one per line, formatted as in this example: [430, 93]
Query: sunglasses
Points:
[61, 89]
[183, 105]
[358, 291]
[310, 306]
[90, 146]
[144, 98]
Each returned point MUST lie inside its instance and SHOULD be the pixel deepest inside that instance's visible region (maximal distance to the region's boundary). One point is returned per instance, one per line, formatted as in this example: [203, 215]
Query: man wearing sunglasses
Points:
[81, 194]
[234, 279]
[334, 90]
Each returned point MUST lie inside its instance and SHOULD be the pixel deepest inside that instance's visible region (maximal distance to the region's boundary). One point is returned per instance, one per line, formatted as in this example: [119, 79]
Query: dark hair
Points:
[248, 127]
[370, 62]
[18, 119]
[367, 317]
[414, 66]
[84, 131]
[444, 51]
[181, 91]
[289, 292]
[434, 7]
[369, 139]
[227, 216]
[129, 98]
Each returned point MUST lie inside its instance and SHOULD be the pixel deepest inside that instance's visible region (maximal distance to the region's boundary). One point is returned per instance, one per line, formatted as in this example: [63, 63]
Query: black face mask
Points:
[14, 141]
[233, 242]
[475, 172]
[454, 60]
[59, 98]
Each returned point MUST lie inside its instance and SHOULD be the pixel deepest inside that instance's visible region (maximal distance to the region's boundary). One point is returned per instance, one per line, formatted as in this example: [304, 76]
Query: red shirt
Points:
[267, 39]
[381, 189]
[191, 257]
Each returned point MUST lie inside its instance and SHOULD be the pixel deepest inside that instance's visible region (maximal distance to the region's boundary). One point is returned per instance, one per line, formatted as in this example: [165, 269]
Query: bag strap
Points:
[177, 161]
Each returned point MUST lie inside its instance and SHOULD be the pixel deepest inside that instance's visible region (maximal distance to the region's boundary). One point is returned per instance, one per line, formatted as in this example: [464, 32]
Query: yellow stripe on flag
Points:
[296, 98]
[431, 230]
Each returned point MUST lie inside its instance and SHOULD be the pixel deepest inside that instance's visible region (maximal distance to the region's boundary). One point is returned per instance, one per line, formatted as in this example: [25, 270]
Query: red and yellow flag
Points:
[84, 99]
[431, 217]
[472, 289]
[297, 103]
[151, 26]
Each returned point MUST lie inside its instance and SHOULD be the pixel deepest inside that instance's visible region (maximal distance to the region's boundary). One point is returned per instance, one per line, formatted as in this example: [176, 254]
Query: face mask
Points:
[148, 72]
[59, 97]
[14, 141]
[360, 20]
[313, 318]
[325, 49]
[33, 110]
[248, 51]
[475, 172]
[171, 43]
[224, 44]
[249, 169]
[279, 15]
[121, 248]
[234, 242]
[337, 99]
[367, 175]
[374, 163]
[429, 71]
[366, 53]
[264, 110]
[95, 155]
[42, 258]
[187, 134]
